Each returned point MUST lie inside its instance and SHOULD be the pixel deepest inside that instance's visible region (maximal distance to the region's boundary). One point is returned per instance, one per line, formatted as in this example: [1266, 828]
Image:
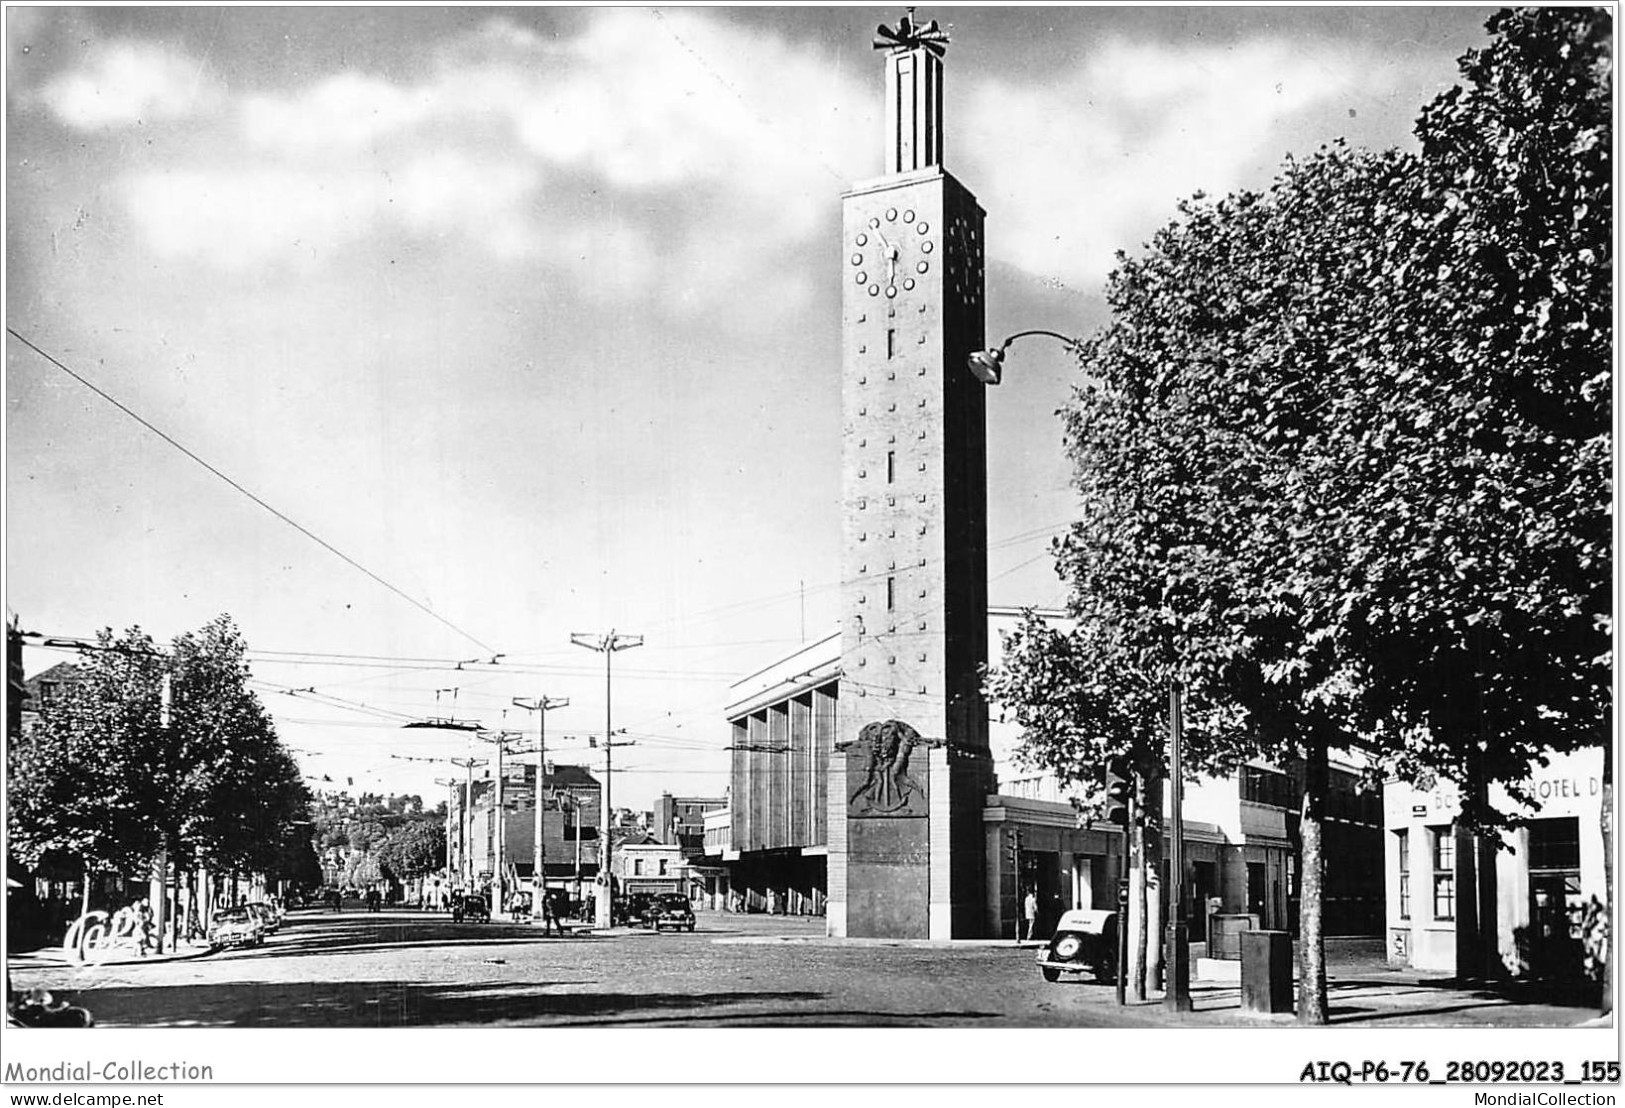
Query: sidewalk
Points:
[1362, 990]
[1404, 1001]
[56, 956]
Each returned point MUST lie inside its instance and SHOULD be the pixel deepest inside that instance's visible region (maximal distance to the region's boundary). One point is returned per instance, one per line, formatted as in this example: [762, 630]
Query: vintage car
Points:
[669, 910]
[1085, 941]
[630, 910]
[236, 927]
[473, 909]
[267, 914]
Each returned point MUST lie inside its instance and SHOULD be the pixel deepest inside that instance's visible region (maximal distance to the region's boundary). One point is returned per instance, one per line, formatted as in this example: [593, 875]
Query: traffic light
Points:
[1012, 849]
[1119, 790]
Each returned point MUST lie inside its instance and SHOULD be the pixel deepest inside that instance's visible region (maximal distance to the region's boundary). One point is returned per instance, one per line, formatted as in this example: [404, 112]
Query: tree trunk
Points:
[1312, 942]
[1608, 874]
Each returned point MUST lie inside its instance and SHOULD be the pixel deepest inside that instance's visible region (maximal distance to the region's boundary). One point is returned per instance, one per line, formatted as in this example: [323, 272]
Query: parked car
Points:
[1085, 941]
[268, 916]
[630, 910]
[473, 909]
[236, 927]
[669, 910]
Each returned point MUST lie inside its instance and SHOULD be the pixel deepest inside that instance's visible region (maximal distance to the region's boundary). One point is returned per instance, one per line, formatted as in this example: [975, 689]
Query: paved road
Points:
[413, 969]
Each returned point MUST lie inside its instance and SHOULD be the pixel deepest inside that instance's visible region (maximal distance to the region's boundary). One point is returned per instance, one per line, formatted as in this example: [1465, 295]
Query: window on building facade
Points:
[1267, 786]
[1444, 872]
[662, 867]
[1554, 843]
[1404, 838]
[637, 867]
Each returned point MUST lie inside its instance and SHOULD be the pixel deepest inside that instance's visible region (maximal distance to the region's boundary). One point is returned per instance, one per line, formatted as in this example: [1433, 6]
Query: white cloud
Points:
[740, 144]
[126, 82]
[237, 220]
[1097, 163]
[347, 111]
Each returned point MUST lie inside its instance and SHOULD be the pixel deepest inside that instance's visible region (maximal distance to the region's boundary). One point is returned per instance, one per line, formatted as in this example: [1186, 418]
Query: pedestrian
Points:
[143, 926]
[1029, 912]
[549, 919]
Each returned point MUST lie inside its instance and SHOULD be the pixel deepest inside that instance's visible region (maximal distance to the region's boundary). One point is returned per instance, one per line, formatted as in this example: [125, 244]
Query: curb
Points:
[920, 944]
[54, 956]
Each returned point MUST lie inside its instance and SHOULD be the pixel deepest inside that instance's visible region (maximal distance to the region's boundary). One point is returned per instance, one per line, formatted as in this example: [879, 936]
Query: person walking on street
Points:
[1029, 912]
[143, 926]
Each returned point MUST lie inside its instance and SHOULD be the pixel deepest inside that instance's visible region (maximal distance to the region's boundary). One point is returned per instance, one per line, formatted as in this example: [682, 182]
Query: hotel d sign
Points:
[1554, 795]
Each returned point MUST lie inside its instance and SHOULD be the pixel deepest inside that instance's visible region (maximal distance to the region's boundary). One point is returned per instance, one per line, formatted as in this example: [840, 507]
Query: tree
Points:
[74, 787]
[1362, 450]
[416, 848]
[117, 777]
[1504, 650]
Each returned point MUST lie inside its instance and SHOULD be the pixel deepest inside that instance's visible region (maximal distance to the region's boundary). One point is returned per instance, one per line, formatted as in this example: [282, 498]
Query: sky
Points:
[439, 335]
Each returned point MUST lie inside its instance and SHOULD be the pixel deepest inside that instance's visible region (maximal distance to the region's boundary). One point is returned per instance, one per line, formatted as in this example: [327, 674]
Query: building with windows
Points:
[680, 820]
[644, 864]
[1530, 901]
[1241, 830]
[570, 817]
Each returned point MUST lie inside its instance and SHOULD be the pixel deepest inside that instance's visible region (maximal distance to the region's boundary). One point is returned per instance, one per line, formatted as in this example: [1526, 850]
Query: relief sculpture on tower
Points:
[878, 761]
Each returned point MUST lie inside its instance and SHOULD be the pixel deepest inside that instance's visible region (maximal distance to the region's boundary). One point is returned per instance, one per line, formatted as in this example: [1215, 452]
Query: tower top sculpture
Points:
[909, 35]
[913, 93]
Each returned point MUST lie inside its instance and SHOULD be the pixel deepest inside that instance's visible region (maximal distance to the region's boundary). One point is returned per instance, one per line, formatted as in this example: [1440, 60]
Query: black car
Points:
[630, 910]
[471, 909]
[669, 910]
[1085, 941]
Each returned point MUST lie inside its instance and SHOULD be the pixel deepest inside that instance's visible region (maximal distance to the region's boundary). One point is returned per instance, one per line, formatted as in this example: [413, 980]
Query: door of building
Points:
[1257, 889]
[1557, 906]
[1206, 882]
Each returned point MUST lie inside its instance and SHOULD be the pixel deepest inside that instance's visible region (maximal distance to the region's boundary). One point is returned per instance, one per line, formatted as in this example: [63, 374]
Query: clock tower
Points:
[912, 767]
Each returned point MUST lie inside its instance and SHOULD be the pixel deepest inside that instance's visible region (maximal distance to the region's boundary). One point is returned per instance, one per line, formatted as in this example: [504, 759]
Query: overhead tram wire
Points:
[303, 530]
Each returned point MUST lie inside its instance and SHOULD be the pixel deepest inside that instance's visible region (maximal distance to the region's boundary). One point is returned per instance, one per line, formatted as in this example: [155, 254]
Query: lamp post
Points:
[607, 645]
[988, 367]
[1177, 994]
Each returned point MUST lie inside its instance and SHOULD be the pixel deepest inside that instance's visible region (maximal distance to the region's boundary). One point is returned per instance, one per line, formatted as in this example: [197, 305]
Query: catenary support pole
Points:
[607, 645]
[538, 881]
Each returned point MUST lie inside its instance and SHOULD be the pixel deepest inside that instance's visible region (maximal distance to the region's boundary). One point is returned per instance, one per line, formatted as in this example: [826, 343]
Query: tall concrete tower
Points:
[912, 766]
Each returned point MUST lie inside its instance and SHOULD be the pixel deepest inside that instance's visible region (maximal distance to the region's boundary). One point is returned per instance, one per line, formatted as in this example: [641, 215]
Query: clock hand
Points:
[891, 255]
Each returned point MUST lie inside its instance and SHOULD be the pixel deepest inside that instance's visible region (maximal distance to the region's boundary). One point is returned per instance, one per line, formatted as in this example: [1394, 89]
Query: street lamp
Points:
[988, 367]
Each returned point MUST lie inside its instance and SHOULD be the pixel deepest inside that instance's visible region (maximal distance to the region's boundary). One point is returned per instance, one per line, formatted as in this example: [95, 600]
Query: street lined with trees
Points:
[1343, 457]
[157, 762]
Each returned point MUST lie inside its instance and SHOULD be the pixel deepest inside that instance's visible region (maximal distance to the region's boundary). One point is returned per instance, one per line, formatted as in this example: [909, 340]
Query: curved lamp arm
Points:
[988, 365]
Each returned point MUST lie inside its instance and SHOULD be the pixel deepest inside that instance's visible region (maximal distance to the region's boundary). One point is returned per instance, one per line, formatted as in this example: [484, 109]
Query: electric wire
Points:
[303, 530]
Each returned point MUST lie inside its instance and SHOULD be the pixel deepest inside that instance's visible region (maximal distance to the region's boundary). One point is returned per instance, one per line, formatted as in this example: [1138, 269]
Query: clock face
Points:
[893, 253]
[965, 284]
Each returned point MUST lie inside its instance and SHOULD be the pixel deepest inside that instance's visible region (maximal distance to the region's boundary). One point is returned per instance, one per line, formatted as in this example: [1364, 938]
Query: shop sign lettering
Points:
[1562, 788]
